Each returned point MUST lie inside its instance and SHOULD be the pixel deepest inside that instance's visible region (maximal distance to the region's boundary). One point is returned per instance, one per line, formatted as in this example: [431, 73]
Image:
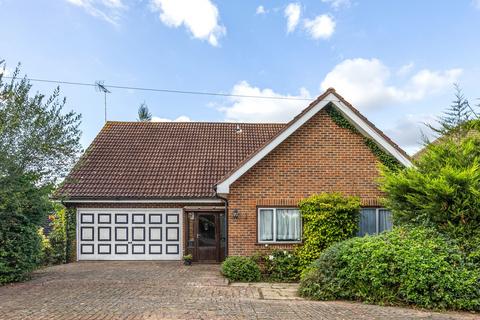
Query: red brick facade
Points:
[319, 157]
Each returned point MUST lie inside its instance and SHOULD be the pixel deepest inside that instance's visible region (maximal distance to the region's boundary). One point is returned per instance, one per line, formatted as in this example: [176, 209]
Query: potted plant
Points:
[187, 259]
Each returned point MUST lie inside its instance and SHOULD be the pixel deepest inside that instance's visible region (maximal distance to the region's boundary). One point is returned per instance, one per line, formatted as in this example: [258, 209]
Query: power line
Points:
[205, 93]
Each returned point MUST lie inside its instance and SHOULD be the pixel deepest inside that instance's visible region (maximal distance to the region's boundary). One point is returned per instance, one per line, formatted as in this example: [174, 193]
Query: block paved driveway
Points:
[168, 290]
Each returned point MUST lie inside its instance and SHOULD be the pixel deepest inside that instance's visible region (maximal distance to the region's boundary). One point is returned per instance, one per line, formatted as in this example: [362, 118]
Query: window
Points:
[374, 221]
[279, 225]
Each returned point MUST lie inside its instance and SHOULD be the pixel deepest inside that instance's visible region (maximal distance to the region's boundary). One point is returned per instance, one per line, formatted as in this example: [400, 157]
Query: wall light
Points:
[235, 214]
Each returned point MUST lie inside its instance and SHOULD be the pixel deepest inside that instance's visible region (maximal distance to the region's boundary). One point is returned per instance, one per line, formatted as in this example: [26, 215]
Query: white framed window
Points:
[374, 220]
[279, 225]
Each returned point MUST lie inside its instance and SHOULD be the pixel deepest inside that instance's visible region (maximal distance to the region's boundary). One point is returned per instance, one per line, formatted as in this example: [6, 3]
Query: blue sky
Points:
[395, 61]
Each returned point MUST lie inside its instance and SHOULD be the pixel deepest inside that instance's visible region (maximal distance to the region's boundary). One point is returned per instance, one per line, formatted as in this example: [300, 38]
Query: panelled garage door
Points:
[129, 234]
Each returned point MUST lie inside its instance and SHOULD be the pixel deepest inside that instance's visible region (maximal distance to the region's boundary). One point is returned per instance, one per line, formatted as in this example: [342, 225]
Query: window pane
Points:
[288, 225]
[368, 222]
[384, 220]
[265, 221]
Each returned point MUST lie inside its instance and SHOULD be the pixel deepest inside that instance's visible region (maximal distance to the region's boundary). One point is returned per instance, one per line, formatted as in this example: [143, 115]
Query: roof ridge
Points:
[194, 122]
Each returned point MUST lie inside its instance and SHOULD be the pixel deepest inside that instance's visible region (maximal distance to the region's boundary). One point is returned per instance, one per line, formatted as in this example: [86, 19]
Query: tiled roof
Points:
[154, 160]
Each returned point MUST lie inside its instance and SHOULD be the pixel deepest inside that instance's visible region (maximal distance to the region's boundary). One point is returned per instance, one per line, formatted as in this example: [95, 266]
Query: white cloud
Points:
[179, 119]
[409, 131]
[262, 110]
[108, 10]
[337, 4]
[292, 13]
[366, 83]
[200, 17]
[261, 10]
[322, 27]
[406, 69]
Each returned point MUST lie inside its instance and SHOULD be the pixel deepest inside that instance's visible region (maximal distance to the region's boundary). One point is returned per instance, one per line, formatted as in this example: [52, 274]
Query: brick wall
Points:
[319, 157]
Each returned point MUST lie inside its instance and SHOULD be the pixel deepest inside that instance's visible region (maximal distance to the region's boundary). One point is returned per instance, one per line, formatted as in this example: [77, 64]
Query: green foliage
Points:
[36, 136]
[384, 158]
[71, 234]
[458, 113]
[441, 191]
[22, 206]
[242, 269]
[327, 218]
[46, 252]
[144, 114]
[405, 266]
[281, 266]
[38, 143]
[58, 236]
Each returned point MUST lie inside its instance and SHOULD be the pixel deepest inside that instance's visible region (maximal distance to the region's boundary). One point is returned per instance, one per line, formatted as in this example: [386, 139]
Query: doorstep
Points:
[273, 291]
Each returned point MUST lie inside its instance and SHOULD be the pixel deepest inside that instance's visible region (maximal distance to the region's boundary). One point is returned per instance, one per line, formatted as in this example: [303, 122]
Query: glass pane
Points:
[368, 222]
[265, 221]
[206, 231]
[288, 225]
[223, 235]
[384, 220]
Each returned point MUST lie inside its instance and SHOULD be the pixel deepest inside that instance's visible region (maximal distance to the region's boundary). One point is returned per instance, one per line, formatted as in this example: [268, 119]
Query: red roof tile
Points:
[154, 160]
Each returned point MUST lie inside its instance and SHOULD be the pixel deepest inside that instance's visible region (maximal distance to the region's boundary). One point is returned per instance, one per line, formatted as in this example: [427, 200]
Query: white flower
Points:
[270, 257]
[285, 252]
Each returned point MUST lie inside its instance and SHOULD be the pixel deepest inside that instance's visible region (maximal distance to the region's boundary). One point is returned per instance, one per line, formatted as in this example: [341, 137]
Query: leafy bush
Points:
[327, 218]
[71, 234]
[22, 206]
[58, 236]
[241, 269]
[442, 190]
[282, 266]
[415, 266]
[46, 252]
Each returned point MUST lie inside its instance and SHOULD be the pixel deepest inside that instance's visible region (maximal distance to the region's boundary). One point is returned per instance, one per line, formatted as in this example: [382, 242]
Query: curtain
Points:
[266, 225]
[384, 220]
[368, 222]
[288, 225]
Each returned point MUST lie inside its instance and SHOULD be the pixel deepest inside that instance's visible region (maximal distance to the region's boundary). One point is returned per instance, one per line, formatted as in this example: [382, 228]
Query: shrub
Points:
[242, 269]
[415, 266]
[19, 250]
[58, 236]
[282, 266]
[442, 190]
[22, 207]
[46, 252]
[327, 218]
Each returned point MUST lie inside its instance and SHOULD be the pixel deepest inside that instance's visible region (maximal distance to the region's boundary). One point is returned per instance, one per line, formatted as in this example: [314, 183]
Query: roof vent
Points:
[238, 129]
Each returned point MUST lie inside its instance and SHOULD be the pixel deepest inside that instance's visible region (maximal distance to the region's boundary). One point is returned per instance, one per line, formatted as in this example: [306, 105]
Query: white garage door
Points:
[129, 234]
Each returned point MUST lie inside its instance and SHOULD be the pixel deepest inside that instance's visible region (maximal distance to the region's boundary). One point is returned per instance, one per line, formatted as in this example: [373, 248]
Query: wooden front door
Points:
[207, 227]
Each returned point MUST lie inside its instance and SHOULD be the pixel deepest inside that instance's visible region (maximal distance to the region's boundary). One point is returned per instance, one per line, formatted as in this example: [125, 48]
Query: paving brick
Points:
[168, 290]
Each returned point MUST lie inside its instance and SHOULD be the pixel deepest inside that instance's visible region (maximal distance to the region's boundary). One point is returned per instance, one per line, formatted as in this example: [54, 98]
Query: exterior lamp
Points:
[236, 214]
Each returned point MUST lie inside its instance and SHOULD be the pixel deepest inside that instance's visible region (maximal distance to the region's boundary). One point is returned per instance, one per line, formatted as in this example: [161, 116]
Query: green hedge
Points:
[405, 266]
[327, 218]
[71, 234]
[23, 206]
[241, 269]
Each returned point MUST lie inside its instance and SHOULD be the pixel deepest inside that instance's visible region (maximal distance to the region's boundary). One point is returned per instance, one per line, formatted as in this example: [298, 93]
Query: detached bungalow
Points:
[156, 191]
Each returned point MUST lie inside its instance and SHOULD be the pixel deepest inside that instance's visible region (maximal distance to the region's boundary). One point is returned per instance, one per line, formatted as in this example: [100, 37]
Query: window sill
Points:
[277, 243]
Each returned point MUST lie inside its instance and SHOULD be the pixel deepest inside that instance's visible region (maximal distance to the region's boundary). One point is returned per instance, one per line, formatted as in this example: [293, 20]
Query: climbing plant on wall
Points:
[385, 158]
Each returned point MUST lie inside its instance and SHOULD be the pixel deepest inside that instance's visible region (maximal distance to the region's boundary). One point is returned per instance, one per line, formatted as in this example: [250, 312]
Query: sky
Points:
[395, 61]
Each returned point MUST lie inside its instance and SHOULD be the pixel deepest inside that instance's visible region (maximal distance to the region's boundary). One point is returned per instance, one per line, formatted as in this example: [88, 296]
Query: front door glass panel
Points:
[206, 230]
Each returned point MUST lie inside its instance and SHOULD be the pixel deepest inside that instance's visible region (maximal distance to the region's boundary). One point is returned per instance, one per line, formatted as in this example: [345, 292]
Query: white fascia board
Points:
[368, 131]
[147, 201]
[223, 188]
